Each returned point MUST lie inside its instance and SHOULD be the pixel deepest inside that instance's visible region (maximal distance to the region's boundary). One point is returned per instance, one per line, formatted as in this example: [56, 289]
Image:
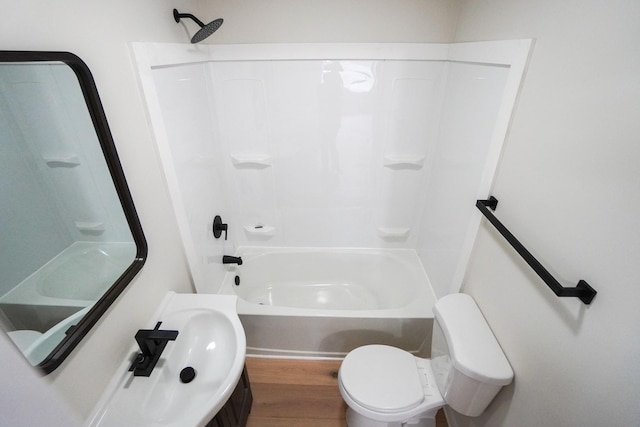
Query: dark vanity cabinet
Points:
[236, 411]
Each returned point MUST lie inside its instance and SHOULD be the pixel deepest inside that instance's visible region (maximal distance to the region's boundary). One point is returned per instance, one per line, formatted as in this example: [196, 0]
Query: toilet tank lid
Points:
[473, 348]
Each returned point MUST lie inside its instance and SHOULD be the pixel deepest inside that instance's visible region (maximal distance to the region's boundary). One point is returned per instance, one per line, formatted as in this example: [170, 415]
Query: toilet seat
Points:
[387, 387]
[382, 378]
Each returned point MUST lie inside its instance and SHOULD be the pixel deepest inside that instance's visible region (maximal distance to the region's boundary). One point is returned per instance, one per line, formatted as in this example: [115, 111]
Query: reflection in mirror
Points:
[70, 239]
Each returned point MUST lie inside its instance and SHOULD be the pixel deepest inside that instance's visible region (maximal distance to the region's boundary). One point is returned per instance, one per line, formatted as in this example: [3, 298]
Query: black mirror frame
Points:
[92, 99]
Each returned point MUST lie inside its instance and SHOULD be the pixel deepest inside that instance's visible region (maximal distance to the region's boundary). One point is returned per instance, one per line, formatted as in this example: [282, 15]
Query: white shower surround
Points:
[394, 181]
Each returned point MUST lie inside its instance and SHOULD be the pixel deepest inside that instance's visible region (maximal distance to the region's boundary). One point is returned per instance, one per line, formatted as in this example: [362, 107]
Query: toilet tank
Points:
[468, 363]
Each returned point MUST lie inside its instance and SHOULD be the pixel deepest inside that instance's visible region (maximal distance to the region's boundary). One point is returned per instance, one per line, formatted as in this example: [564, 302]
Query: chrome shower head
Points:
[204, 31]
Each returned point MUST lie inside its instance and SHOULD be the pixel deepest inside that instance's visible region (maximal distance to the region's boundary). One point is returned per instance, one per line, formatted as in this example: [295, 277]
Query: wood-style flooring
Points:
[298, 393]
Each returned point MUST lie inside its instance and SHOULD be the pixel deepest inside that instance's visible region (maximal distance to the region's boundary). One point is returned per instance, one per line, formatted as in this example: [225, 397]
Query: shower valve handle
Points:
[219, 227]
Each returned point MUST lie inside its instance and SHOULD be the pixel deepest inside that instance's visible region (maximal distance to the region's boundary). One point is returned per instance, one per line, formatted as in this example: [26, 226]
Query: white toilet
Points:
[384, 386]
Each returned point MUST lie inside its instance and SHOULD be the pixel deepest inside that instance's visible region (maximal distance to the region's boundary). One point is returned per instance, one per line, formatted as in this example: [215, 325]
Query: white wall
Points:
[294, 21]
[100, 32]
[569, 188]
[469, 122]
[327, 127]
[25, 399]
[196, 168]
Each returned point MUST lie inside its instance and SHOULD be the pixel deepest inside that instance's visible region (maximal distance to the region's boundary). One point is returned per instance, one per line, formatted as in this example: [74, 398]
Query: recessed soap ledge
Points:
[210, 340]
[393, 233]
[62, 161]
[251, 161]
[403, 162]
[90, 226]
[262, 230]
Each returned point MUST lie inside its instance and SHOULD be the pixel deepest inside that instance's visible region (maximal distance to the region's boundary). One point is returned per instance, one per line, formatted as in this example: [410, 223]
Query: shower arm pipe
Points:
[583, 290]
[177, 15]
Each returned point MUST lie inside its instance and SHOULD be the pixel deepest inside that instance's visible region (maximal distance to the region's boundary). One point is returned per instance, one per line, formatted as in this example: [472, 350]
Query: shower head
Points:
[204, 31]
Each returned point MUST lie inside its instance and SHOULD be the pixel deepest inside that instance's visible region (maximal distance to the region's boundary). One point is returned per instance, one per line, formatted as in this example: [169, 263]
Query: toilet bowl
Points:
[36, 346]
[388, 386]
[385, 386]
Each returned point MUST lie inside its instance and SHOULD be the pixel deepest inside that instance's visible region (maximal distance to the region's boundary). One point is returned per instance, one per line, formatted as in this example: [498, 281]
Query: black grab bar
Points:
[583, 291]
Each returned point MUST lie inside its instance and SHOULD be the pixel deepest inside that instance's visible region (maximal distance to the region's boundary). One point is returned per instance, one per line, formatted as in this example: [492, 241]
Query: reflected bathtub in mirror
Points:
[70, 236]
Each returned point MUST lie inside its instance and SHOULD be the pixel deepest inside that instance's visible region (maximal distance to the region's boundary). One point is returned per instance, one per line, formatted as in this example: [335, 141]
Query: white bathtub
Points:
[75, 278]
[324, 302]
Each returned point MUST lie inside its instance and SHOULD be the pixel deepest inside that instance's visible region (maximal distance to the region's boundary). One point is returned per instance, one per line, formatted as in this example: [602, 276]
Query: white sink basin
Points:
[210, 340]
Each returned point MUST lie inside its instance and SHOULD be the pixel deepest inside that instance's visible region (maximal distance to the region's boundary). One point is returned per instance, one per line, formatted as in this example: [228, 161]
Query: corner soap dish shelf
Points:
[393, 233]
[62, 161]
[251, 161]
[403, 162]
[89, 226]
[260, 230]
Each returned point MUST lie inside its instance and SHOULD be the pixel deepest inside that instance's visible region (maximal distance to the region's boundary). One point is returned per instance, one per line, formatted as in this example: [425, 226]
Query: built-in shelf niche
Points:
[393, 233]
[90, 227]
[251, 161]
[403, 162]
[259, 231]
[62, 161]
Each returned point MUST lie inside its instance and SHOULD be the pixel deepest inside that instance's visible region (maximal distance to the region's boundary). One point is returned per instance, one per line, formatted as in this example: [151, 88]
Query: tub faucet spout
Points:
[226, 259]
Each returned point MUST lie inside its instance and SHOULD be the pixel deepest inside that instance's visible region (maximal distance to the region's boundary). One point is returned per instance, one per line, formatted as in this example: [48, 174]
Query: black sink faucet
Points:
[152, 343]
[227, 259]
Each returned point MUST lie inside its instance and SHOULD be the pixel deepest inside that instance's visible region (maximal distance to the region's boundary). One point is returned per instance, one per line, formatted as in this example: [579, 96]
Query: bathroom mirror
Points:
[70, 238]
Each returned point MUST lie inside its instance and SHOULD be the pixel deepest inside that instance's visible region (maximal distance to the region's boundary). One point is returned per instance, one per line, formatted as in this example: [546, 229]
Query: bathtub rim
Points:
[420, 308]
[413, 335]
